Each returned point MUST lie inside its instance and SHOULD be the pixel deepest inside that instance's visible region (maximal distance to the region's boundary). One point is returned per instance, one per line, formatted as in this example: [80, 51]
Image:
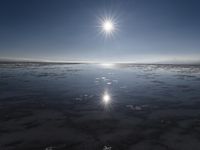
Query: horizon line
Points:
[17, 60]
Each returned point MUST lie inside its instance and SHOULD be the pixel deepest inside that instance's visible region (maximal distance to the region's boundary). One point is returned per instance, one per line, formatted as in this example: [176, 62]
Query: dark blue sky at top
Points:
[61, 30]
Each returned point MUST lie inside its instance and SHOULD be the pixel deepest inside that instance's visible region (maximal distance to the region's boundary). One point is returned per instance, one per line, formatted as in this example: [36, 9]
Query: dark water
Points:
[99, 107]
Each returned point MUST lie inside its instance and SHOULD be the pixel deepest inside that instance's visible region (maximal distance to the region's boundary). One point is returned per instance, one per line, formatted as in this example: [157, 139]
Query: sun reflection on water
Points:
[106, 98]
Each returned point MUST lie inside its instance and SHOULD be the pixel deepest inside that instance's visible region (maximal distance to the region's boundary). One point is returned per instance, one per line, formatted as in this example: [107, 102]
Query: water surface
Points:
[99, 107]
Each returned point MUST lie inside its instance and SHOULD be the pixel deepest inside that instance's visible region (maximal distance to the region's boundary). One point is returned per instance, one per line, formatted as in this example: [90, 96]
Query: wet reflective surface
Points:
[99, 106]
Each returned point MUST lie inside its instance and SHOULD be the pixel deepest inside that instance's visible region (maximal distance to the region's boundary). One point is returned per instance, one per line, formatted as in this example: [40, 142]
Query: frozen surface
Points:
[99, 107]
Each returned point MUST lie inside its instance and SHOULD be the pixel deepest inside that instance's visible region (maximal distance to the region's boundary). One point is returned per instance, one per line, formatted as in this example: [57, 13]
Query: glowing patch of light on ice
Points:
[109, 65]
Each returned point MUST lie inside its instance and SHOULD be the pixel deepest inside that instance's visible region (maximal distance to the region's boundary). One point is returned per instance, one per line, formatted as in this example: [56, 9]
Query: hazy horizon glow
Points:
[137, 31]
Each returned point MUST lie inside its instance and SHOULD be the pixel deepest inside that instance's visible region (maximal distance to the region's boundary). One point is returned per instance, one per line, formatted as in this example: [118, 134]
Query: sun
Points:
[108, 26]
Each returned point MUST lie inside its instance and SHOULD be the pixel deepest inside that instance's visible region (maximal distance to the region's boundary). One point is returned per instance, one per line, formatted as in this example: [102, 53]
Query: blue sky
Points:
[67, 30]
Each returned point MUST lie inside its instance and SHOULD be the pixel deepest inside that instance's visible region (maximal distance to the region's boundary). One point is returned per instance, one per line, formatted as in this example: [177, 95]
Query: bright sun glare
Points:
[106, 98]
[108, 26]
